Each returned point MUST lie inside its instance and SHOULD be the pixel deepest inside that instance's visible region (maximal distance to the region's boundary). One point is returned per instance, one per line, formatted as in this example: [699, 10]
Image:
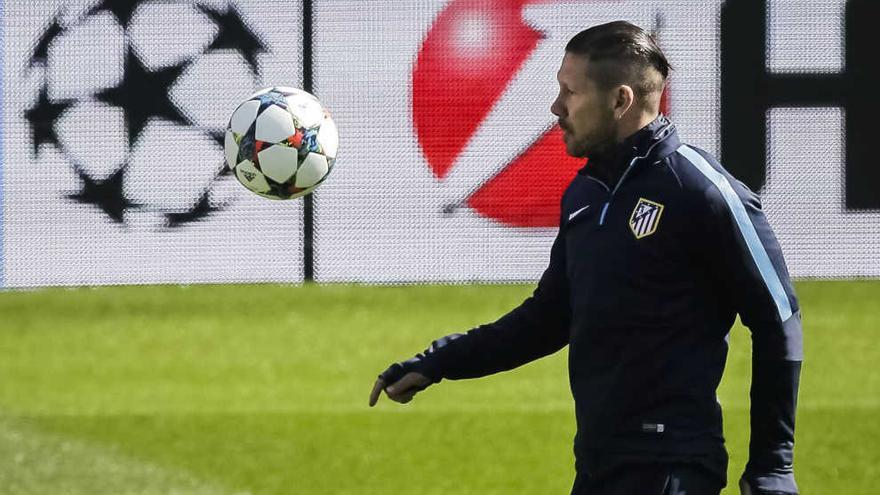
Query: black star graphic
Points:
[41, 50]
[200, 210]
[42, 117]
[224, 170]
[143, 94]
[219, 136]
[235, 35]
[105, 194]
[122, 10]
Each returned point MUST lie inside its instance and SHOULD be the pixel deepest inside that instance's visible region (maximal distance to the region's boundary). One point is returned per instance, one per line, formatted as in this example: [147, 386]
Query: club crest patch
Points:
[645, 218]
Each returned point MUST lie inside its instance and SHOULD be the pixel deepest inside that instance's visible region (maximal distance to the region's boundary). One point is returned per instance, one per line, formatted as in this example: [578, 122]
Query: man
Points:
[658, 250]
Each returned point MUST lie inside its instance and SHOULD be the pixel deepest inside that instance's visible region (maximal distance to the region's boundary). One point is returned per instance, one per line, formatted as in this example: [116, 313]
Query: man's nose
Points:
[556, 108]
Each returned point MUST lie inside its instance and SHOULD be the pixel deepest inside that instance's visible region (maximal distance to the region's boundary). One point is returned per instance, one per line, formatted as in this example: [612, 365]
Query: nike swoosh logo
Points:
[575, 213]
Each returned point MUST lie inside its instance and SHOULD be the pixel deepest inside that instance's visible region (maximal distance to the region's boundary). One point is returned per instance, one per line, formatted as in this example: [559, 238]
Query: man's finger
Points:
[409, 381]
[377, 391]
[404, 397]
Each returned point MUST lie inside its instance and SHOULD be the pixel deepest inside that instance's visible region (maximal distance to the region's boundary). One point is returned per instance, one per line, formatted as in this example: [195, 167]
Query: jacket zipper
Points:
[616, 187]
[608, 190]
[604, 186]
[620, 181]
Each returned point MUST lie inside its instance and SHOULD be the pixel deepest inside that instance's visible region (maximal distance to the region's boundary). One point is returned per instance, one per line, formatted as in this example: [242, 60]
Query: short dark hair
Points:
[622, 53]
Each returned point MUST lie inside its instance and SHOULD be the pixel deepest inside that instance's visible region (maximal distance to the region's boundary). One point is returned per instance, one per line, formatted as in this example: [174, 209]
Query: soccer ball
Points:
[281, 143]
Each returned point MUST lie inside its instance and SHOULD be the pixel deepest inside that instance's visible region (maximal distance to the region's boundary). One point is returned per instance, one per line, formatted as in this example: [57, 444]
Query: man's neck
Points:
[632, 126]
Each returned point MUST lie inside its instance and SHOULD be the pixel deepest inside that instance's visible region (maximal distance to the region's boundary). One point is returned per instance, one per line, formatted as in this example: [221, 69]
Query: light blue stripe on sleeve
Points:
[756, 248]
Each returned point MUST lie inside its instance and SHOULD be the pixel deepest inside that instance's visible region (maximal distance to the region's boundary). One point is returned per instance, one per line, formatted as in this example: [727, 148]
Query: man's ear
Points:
[624, 98]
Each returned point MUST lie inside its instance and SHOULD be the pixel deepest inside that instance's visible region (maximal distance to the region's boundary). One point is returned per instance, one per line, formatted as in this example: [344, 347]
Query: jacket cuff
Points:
[770, 483]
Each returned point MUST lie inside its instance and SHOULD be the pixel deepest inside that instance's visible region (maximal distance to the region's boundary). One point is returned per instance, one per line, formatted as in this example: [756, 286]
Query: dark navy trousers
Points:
[650, 479]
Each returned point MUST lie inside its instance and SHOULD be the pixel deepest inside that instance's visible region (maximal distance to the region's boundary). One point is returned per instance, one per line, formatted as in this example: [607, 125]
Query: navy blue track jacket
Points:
[644, 283]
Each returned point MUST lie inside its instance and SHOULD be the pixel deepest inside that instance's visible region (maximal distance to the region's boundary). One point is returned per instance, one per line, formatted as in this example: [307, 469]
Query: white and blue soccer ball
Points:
[281, 143]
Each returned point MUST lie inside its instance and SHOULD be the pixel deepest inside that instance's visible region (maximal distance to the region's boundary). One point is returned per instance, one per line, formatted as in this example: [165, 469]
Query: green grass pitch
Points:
[263, 390]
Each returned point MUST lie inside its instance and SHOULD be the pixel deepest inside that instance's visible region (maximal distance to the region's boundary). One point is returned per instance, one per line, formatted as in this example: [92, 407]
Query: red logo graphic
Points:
[455, 86]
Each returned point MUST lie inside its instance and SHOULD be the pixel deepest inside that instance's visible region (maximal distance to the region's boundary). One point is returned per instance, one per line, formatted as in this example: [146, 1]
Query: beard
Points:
[598, 142]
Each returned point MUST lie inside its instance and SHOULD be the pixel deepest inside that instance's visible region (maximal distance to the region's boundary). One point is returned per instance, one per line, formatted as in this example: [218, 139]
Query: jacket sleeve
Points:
[748, 264]
[536, 328]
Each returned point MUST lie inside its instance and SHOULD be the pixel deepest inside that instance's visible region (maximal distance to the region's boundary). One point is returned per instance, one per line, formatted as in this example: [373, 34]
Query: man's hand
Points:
[402, 390]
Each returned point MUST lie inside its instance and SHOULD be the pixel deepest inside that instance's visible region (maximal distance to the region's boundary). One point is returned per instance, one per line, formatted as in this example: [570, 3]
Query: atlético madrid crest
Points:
[645, 218]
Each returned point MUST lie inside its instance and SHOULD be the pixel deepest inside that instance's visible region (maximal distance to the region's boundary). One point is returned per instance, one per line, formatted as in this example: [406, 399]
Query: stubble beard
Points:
[596, 143]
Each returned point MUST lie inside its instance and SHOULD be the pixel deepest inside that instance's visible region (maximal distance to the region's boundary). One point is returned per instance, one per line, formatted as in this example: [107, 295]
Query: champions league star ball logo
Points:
[132, 97]
[472, 55]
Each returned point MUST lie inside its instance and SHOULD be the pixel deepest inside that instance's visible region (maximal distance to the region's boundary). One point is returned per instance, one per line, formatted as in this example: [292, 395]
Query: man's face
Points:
[586, 113]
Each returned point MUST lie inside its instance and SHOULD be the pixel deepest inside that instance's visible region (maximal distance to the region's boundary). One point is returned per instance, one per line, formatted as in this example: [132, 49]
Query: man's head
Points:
[610, 84]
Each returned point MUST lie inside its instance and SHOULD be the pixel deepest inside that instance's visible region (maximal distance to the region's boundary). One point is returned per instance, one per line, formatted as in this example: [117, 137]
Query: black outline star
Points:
[122, 10]
[106, 194]
[200, 210]
[234, 34]
[40, 55]
[143, 94]
[42, 117]
[219, 137]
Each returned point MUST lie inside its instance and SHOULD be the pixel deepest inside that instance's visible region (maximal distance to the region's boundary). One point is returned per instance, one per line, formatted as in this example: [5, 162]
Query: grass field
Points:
[263, 390]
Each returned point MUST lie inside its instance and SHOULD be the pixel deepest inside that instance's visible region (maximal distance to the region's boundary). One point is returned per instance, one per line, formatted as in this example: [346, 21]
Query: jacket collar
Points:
[649, 144]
